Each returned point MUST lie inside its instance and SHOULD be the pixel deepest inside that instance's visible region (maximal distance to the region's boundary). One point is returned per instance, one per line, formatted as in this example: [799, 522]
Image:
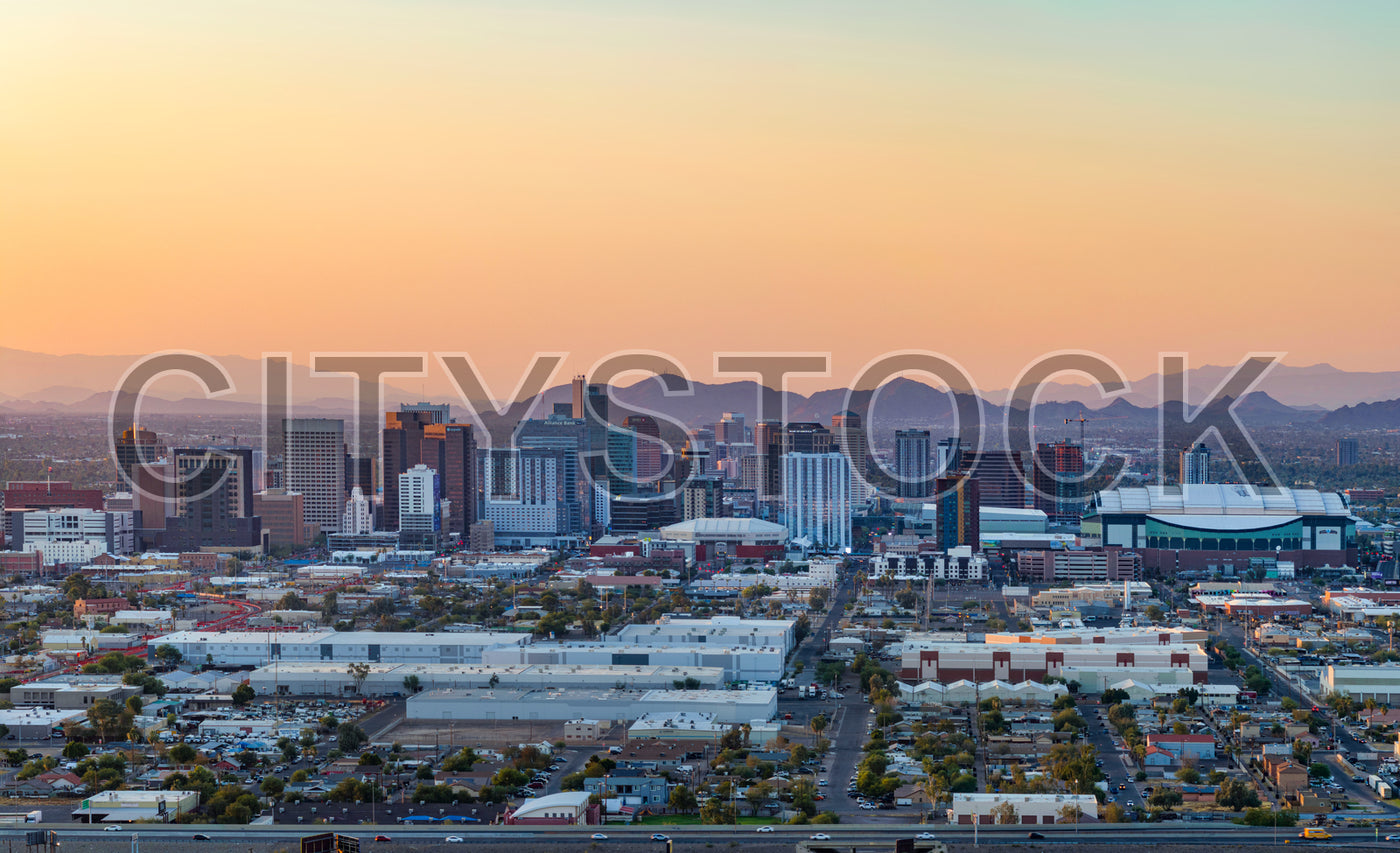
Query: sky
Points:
[989, 180]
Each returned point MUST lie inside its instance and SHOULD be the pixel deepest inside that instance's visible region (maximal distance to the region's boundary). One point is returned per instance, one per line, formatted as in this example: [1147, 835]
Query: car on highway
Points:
[820, 836]
[1035, 836]
[113, 828]
[598, 836]
[382, 838]
[764, 829]
[199, 836]
[1392, 838]
[454, 839]
[660, 836]
[925, 836]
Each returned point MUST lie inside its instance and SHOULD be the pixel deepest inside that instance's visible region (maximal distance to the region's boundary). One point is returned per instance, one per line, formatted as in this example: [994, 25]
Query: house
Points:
[1288, 778]
[61, 782]
[1184, 746]
[1155, 756]
[1198, 793]
[629, 790]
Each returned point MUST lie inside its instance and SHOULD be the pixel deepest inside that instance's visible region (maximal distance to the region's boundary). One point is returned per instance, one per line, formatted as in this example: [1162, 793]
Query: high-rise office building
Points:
[848, 435]
[817, 499]
[1347, 452]
[402, 441]
[525, 498]
[646, 445]
[314, 464]
[912, 459]
[1000, 475]
[1058, 475]
[957, 511]
[1195, 466]
[730, 429]
[568, 435]
[140, 459]
[768, 447]
[949, 456]
[420, 510]
[358, 518]
[436, 413]
[213, 496]
[283, 517]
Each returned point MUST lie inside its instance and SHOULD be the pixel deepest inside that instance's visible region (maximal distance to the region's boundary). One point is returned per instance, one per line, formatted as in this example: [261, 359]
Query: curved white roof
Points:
[726, 528]
[1219, 499]
[1224, 523]
[577, 800]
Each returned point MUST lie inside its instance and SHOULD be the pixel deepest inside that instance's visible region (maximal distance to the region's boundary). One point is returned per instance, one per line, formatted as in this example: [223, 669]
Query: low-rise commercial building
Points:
[728, 706]
[1024, 808]
[256, 648]
[948, 662]
[1362, 682]
[291, 678]
[130, 806]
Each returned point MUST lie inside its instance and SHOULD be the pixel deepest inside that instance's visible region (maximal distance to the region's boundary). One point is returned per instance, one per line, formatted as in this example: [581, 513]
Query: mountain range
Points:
[1321, 394]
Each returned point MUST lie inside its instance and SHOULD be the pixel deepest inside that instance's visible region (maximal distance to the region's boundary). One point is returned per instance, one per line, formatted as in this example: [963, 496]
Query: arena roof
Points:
[1219, 499]
[726, 528]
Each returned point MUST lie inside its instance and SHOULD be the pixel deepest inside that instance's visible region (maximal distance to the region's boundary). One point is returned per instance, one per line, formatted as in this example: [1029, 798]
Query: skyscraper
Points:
[358, 519]
[949, 456]
[314, 465]
[402, 440]
[139, 455]
[730, 429]
[1195, 465]
[957, 511]
[817, 499]
[420, 511]
[1000, 475]
[213, 491]
[1347, 452]
[911, 462]
[647, 448]
[1057, 473]
[569, 436]
[848, 433]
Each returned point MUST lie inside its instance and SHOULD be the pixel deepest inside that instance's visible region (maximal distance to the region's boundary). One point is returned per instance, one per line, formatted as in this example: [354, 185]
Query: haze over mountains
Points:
[82, 384]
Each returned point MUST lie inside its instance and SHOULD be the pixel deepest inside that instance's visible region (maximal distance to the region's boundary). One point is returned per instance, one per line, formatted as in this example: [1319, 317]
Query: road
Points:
[692, 837]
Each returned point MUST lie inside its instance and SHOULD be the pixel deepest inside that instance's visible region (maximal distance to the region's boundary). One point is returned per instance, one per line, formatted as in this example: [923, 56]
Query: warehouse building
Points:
[296, 678]
[1175, 636]
[1381, 683]
[719, 631]
[755, 664]
[38, 723]
[258, 648]
[728, 706]
[948, 662]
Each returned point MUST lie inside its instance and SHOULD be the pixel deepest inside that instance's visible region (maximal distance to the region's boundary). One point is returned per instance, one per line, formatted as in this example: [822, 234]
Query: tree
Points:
[350, 737]
[273, 786]
[1154, 613]
[358, 672]
[1302, 752]
[818, 724]
[1005, 813]
[1113, 813]
[290, 601]
[1269, 817]
[75, 750]
[1318, 770]
[757, 794]
[168, 655]
[182, 753]
[1164, 798]
[1188, 776]
[412, 684]
[1288, 704]
[243, 694]
[1071, 813]
[1236, 795]
[1113, 696]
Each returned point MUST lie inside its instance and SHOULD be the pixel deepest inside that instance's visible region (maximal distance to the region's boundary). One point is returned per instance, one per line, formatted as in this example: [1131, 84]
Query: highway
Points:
[1144, 833]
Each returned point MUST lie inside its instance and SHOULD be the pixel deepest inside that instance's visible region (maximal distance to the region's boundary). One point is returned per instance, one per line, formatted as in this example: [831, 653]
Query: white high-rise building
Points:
[74, 535]
[817, 499]
[313, 463]
[358, 519]
[420, 496]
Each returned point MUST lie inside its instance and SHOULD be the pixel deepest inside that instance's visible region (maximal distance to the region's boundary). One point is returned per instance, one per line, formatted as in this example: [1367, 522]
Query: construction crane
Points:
[1081, 421]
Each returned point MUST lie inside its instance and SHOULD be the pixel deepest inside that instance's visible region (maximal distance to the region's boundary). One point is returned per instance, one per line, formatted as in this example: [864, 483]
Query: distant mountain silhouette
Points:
[1382, 415]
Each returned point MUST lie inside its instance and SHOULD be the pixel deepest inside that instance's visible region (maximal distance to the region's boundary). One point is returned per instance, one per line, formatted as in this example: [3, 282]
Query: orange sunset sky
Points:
[986, 179]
